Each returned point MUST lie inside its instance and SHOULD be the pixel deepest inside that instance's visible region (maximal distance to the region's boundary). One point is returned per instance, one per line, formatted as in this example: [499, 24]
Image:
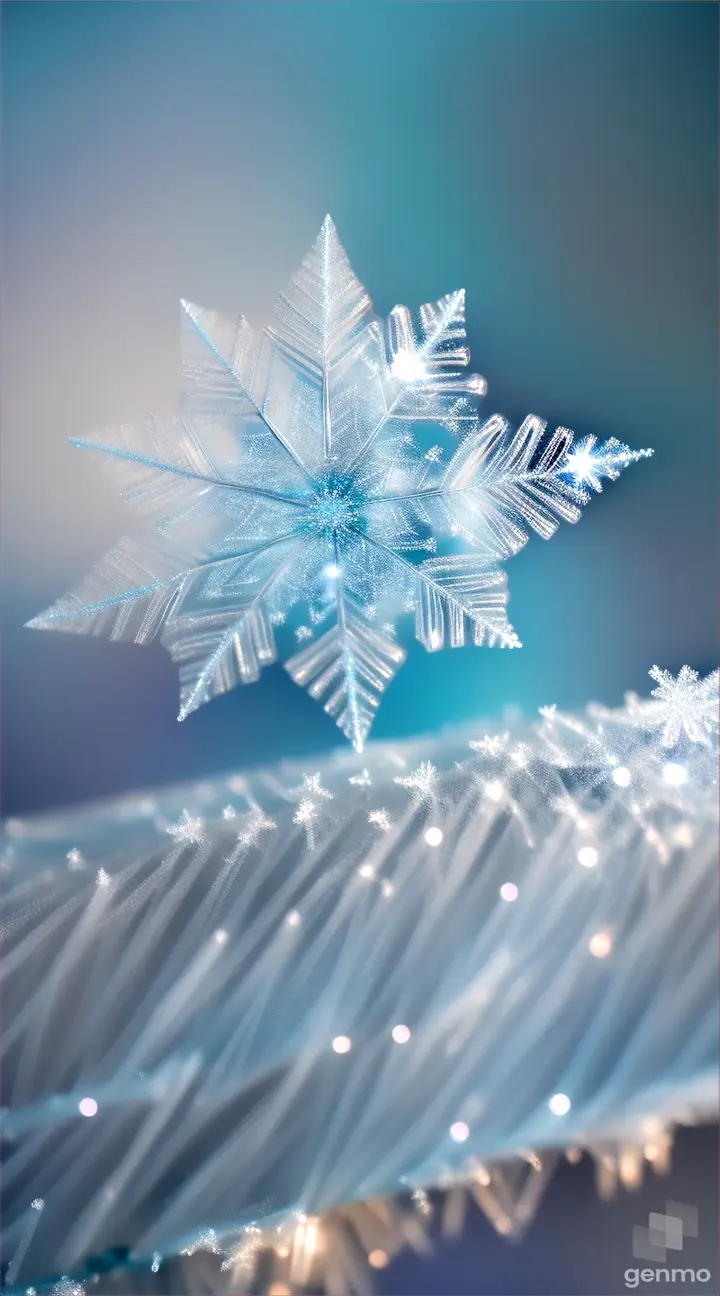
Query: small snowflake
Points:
[361, 780]
[421, 783]
[103, 879]
[381, 819]
[187, 829]
[311, 786]
[229, 812]
[207, 1240]
[75, 859]
[491, 744]
[684, 705]
[254, 824]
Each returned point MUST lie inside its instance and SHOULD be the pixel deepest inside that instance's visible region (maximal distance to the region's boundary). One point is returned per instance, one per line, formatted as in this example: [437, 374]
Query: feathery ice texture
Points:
[336, 465]
[239, 1014]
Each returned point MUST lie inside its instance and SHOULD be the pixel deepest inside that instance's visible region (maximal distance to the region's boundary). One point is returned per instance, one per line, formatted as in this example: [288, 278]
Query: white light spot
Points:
[559, 1104]
[433, 836]
[587, 856]
[220, 936]
[494, 791]
[459, 1132]
[332, 571]
[342, 1044]
[408, 367]
[87, 1107]
[508, 891]
[674, 775]
[387, 889]
[401, 1034]
[600, 944]
[622, 776]
[293, 919]
[367, 871]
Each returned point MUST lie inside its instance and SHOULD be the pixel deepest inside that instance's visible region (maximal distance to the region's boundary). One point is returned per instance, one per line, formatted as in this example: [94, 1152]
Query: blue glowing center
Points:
[335, 508]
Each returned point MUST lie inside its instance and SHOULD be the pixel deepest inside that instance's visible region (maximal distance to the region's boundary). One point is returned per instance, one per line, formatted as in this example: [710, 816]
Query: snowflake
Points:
[254, 824]
[304, 472]
[491, 744]
[421, 783]
[381, 819]
[685, 705]
[681, 706]
[187, 829]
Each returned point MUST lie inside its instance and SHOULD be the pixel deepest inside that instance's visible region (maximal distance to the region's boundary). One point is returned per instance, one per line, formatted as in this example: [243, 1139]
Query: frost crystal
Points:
[305, 472]
[686, 705]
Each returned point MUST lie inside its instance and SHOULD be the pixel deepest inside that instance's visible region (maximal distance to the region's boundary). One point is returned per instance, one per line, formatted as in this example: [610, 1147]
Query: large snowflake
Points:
[309, 468]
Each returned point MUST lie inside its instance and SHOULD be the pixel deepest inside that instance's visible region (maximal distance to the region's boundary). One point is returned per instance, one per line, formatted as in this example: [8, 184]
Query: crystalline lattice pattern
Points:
[335, 464]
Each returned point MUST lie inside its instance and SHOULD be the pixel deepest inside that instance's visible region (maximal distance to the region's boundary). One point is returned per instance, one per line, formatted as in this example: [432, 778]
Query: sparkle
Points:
[408, 367]
[401, 1034]
[509, 891]
[342, 1044]
[387, 889]
[75, 859]
[293, 919]
[220, 936]
[559, 1104]
[495, 790]
[367, 871]
[674, 775]
[587, 856]
[459, 1132]
[361, 780]
[87, 1107]
[433, 836]
[103, 879]
[622, 776]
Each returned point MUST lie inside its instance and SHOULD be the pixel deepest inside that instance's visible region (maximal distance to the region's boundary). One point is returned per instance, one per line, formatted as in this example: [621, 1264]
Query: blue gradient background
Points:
[559, 161]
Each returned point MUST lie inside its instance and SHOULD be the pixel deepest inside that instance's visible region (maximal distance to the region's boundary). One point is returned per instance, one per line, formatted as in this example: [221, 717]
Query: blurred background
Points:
[557, 160]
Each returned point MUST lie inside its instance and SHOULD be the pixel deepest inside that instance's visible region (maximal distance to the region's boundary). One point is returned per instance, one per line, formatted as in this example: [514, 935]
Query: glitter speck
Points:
[342, 1044]
[587, 856]
[87, 1107]
[433, 836]
[459, 1132]
[559, 1104]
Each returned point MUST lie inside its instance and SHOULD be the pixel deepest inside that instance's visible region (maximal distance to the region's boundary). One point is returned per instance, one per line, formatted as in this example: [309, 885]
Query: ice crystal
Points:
[305, 472]
[188, 829]
[685, 705]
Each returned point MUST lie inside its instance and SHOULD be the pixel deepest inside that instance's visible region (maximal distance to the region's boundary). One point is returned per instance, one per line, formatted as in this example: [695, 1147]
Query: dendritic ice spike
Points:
[323, 478]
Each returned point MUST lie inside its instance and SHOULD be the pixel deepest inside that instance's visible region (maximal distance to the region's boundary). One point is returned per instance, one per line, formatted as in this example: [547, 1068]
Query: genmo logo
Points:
[635, 1276]
[661, 1234]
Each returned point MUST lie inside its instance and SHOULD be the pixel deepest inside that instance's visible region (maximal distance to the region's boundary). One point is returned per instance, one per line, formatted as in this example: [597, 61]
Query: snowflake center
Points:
[335, 507]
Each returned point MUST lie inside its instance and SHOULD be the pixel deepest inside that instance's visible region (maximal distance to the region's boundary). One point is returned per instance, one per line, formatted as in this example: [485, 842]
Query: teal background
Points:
[558, 160]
